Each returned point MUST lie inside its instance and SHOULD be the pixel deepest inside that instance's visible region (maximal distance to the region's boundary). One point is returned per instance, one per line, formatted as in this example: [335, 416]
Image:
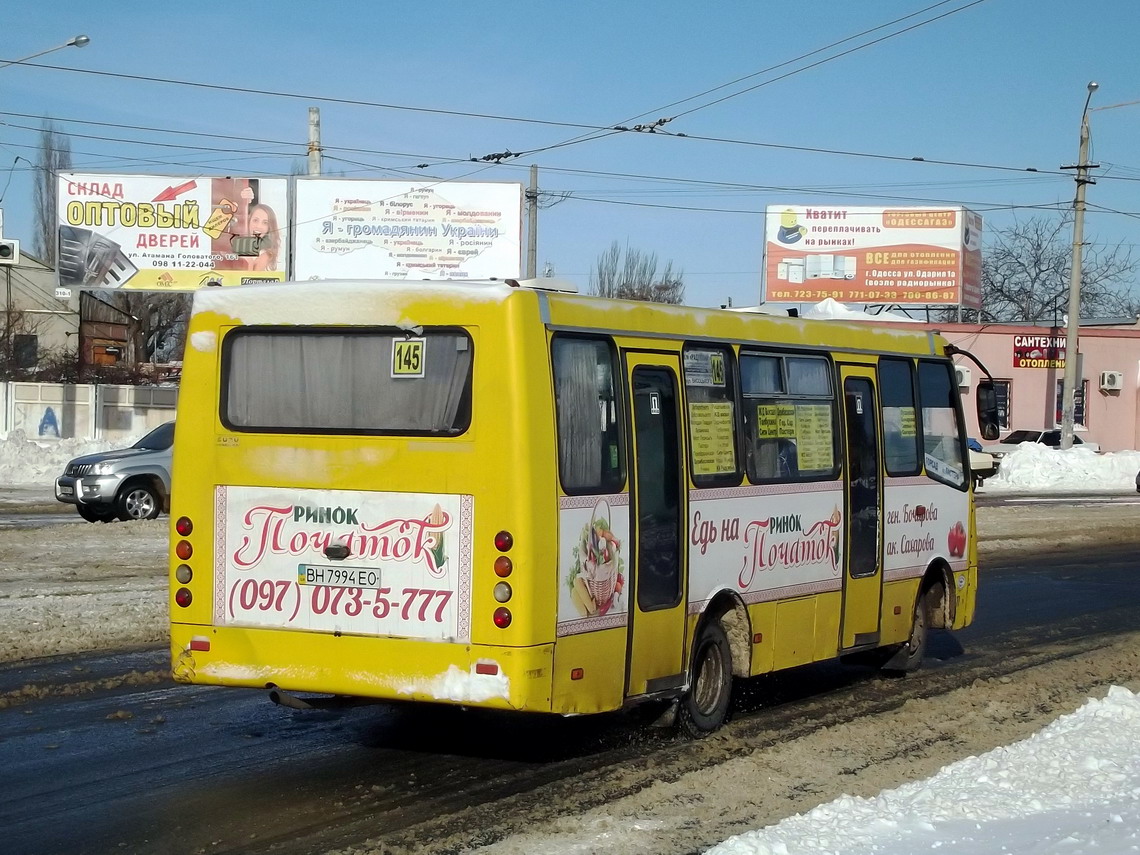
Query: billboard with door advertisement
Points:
[161, 232]
[379, 229]
[922, 256]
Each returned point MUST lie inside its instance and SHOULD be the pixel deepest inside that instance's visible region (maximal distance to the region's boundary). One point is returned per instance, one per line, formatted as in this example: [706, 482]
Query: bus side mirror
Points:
[986, 397]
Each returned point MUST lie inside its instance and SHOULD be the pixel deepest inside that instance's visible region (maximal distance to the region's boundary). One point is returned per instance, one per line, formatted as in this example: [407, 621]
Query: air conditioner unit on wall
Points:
[1111, 381]
[962, 375]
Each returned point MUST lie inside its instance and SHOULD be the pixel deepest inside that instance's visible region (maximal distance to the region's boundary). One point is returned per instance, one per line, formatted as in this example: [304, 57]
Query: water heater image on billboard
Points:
[921, 256]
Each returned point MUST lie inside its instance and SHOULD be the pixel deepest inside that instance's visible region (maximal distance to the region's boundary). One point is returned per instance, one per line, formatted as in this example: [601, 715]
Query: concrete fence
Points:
[47, 411]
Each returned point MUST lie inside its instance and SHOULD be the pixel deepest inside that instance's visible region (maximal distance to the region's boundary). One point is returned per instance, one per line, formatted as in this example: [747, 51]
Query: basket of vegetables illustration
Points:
[600, 551]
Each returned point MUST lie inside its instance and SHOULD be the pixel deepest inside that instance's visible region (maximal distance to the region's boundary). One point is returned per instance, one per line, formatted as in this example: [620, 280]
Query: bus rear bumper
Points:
[515, 678]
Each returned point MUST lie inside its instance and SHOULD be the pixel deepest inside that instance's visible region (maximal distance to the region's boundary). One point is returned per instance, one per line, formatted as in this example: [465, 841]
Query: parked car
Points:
[982, 463]
[1138, 482]
[1049, 438]
[129, 483]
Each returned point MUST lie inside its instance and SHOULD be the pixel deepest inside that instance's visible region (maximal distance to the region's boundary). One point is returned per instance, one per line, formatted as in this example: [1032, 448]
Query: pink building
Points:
[1028, 364]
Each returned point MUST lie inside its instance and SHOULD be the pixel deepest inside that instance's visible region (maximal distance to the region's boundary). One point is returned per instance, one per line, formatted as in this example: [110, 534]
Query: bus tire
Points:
[705, 706]
[908, 658]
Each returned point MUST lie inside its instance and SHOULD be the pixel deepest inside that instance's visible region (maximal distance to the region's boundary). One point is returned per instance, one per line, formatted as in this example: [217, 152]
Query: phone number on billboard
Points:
[863, 295]
[182, 265]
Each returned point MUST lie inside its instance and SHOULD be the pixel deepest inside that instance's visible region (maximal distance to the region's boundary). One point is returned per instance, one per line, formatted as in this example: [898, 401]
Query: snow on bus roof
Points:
[329, 301]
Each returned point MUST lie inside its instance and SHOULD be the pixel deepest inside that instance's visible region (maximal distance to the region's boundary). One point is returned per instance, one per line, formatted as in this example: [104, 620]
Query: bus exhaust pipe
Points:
[330, 702]
[284, 699]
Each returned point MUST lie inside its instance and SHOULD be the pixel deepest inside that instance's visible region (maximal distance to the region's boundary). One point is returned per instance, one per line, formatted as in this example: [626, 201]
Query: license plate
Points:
[67, 491]
[339, 577]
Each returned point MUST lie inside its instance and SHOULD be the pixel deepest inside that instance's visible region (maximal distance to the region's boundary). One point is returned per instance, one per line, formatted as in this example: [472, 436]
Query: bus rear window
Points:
[298, 380]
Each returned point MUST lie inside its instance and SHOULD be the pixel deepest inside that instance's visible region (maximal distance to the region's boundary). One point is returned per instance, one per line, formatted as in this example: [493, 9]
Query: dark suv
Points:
[130, 483]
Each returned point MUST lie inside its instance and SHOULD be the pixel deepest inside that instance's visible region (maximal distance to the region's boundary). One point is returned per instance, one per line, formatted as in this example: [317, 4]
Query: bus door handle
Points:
[336, 552]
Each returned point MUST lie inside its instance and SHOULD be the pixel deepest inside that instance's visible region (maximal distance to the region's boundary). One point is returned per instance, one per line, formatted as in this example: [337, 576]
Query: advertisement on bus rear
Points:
[917, 256]
[347, 562]
[164, 233]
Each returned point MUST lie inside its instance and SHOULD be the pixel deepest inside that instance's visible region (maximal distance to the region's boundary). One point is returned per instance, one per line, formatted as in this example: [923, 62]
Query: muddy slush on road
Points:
[797, 740]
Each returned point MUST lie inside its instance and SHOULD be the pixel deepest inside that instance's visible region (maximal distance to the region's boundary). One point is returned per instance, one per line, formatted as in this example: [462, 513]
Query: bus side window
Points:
[942, 434]
[900, 433]
[710, 392]
[590, 458]
[789, 417]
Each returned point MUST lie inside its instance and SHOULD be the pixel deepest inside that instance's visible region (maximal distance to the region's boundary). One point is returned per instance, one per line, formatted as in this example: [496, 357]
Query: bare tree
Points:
[158, 323]
[1025, 274]
[19, 350]
[630, 274]
[53, 157]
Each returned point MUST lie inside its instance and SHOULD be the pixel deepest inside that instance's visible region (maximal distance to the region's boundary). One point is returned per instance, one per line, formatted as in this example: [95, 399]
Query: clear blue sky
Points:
[1001, 83]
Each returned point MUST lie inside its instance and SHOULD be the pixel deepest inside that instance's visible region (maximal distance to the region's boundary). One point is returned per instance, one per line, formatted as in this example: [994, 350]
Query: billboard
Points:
[159, 233]
[380, 229]
[924, 256]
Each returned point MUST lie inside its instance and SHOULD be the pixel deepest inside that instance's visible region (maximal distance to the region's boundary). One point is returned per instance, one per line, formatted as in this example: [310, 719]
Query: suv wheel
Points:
[93, 515]
[137, 501]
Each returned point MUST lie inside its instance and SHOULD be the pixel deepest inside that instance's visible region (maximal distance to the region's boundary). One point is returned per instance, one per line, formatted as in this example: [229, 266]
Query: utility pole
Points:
[1069, 389]
[532, 224]
[314, 140]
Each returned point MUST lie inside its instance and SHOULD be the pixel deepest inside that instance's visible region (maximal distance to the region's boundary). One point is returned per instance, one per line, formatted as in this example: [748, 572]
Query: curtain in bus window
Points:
[588, 453]
[941, 434]
[760, 374]
[328, 381]
[808, 376]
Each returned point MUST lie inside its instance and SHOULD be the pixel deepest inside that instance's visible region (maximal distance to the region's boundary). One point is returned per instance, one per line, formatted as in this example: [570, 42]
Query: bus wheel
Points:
[909, 657]
[705, 707]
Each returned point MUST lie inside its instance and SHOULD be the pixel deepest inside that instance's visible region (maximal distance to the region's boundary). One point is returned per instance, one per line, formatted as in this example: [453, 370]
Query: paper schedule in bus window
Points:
[813, 436]
[776, 421]
[710, 426]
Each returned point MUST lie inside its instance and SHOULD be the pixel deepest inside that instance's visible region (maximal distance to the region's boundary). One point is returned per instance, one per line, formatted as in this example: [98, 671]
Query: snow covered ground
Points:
[1072, 788]
[1033, 468]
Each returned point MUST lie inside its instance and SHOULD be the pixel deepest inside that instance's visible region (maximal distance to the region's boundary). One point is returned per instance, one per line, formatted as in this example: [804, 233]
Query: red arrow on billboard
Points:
[174, 192]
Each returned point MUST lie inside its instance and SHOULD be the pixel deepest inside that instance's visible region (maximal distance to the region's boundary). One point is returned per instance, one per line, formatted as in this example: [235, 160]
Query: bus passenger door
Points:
[863, 575]
[657, 577]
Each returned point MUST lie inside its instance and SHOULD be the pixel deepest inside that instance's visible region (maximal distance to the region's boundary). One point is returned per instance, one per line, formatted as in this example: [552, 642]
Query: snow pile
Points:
[828, 309]
[1072, 787]
[26, 461]
[1035, 467]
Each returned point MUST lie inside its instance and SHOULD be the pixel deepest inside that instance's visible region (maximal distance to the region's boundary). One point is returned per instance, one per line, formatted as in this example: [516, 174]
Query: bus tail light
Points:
[504, 540]
[183, 597]
[184, 550]
[502, 592]
[503, 566]
[489, 668]
[184, 526]
[183, 574]
[502, 617]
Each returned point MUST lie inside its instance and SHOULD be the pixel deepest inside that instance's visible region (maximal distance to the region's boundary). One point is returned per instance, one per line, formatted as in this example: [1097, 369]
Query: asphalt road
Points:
[162, 768]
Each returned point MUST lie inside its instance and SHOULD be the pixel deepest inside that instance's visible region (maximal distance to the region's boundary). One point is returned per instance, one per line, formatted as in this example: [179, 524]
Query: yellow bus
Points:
[500, 495]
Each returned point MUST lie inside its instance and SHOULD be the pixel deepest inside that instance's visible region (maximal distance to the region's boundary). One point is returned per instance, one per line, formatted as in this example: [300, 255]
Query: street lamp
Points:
[1069, 390]
[78, 41]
